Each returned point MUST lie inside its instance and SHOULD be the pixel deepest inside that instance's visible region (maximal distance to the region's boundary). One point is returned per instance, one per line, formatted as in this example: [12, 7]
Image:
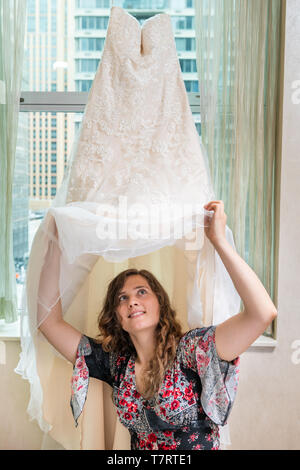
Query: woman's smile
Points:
[136, 314]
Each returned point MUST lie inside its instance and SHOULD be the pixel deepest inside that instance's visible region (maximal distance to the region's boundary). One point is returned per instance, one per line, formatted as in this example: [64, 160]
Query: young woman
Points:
[171, 390]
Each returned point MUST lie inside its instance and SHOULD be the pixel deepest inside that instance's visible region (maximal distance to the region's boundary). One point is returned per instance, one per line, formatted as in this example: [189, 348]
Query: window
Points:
[92, 3]
[53, 24]
[83, 85]
[188, 65]
[185, 44]
[89, 44]
[43, 24]
[43, 7]
[31, 6]
[31, 24]
[183, 22]
[87, 65]
[192, 86]
[91, 22]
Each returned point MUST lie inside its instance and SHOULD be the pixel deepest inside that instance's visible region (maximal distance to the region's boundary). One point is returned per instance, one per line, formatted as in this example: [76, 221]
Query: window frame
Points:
[73, 101]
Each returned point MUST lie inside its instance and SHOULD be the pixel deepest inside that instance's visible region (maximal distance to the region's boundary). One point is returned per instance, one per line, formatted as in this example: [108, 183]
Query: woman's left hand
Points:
[216, 225]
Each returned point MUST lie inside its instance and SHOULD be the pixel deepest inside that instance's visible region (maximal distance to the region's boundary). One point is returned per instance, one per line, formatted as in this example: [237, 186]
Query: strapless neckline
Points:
[148, 20]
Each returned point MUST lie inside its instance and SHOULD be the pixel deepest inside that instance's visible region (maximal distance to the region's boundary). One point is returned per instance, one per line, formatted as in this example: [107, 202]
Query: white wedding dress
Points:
[139, 157]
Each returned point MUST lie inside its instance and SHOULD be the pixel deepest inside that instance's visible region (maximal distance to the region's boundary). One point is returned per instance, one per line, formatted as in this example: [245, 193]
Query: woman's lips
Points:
[136, 314]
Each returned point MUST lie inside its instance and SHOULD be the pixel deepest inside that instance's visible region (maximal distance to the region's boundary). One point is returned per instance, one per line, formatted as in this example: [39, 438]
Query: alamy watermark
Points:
[152, 221]
[295, 357]
[296, 93]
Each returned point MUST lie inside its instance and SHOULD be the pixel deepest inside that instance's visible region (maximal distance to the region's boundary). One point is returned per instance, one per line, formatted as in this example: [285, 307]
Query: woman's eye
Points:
[123, 297]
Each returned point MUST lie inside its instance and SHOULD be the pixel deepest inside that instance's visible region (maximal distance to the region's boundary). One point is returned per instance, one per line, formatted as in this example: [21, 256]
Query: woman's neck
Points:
[145, 347]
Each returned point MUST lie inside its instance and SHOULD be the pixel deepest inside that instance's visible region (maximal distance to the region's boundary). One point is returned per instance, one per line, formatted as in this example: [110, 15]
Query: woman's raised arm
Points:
[63, 337]
[235, 335]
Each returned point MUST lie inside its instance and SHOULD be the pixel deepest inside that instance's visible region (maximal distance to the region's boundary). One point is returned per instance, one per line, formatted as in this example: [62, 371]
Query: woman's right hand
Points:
[216, 228]
[63, 337]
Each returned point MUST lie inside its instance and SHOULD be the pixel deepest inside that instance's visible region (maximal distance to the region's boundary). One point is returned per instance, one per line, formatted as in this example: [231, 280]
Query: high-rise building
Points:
[90, 25]
[49, 133]
[91, 21]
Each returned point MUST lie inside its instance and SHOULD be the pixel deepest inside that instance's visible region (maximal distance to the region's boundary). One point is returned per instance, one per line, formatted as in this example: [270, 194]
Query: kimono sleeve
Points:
[219, 378]
[91, 361]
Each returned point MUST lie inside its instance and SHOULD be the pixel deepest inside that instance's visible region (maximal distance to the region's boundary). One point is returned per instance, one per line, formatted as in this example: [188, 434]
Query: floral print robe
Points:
[195, 397]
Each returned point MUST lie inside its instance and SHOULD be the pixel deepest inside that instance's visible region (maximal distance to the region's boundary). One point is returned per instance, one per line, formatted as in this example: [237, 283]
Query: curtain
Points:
[12, 30]
[238, 57]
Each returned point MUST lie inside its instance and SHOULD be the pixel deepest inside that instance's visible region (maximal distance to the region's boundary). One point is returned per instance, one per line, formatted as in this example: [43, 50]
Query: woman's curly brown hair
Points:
[115, 339]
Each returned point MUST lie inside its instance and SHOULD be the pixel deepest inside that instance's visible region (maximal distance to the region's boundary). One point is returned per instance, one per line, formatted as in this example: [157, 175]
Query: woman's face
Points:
[138, 307]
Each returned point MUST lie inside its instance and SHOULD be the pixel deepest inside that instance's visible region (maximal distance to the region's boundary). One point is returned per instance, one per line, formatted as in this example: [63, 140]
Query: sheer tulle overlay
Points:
[136, 182]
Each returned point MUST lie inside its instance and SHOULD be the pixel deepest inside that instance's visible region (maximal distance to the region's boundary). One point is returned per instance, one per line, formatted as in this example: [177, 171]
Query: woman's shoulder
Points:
[98, 347]
[198, 333]
[87, 344]
[95, 351]
[195, 339]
